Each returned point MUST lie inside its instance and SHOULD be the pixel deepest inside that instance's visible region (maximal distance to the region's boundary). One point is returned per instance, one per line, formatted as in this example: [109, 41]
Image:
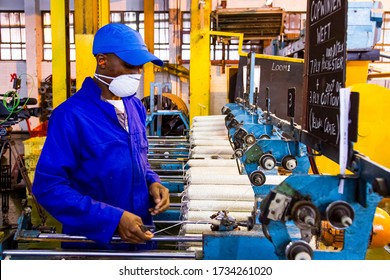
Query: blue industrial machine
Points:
[154, 120]
[308, 215]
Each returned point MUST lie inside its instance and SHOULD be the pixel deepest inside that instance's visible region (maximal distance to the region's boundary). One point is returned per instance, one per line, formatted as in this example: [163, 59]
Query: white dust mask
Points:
[123, 85]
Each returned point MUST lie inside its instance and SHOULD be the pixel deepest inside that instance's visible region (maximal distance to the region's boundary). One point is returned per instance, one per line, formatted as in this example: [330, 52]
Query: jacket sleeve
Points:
[80, 214]
[150, 175]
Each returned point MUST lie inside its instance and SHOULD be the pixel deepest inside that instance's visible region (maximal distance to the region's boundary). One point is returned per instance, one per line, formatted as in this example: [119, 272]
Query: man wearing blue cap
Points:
[93, 174]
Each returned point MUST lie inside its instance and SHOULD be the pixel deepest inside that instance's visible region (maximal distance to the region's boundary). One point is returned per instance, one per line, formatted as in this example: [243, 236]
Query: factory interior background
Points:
[42, 43]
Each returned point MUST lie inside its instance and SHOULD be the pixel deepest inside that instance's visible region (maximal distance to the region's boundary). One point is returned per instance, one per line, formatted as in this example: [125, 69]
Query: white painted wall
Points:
[218, 89]
[11, 5]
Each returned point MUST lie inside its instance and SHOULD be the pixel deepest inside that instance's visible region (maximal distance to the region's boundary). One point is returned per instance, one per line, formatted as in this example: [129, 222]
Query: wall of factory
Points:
[218, 94]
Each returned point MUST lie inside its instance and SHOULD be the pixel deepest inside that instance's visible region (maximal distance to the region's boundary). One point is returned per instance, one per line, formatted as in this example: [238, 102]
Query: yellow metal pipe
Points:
[89, 16]
[60, 50]
[200, 58]
[104, 12]
[149, 41]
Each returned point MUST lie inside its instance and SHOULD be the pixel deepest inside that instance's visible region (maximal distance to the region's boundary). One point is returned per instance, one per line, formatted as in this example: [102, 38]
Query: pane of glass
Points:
[115, 17]
[16, 54]
[46, 18]
[23, 35]
[71, 35]
[4, 19]
[14, 19]
[5, 35]
[186, 38]
[161, 36]
[72, 54]
[47, 35]
[186, 25]
[185, 54]
[142, 31]
[132, 25]
[71, 18]
[186, 16]
[47, 54]
[141, 17]
[130, 16]
[15, 35]
[160, 16]
[5, 52]
[24, 52]
[386, 36]
[22, 19]
[162, 54]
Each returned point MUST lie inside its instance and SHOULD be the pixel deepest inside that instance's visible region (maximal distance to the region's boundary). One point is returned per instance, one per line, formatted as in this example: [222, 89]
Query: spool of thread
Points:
[220, 192]
[212, 163]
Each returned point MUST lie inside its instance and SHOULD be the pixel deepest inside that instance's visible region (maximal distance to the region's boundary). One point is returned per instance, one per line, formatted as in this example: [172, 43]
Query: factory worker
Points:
[93, 175]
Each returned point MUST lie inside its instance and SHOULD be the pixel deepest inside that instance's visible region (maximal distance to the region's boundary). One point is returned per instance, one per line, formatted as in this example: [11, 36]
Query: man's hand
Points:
[130, 229]
[160, 195]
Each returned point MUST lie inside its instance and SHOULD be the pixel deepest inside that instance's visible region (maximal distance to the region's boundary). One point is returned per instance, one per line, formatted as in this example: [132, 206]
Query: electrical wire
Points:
[12, 108]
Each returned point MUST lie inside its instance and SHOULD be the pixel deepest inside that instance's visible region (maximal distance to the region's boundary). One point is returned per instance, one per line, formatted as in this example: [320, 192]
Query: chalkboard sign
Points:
[326, 60]
[277, 76]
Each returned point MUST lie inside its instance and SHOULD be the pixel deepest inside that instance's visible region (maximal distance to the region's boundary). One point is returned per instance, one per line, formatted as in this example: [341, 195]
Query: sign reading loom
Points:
[326, 60]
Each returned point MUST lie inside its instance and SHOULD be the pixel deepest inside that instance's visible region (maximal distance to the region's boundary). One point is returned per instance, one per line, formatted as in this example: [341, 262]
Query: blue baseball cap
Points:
[124, 42]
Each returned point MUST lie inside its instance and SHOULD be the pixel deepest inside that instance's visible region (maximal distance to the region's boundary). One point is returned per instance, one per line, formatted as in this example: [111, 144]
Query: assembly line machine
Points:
[304, 215]
[275, 131]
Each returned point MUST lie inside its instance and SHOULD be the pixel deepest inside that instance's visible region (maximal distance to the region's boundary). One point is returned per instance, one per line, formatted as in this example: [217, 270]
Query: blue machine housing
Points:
[276, 236]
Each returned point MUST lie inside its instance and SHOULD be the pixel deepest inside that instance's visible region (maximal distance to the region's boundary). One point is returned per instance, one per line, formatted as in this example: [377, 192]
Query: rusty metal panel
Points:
[255, 24]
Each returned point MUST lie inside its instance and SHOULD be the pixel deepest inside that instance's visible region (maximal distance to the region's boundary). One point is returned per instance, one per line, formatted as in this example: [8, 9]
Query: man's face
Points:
[116, 67]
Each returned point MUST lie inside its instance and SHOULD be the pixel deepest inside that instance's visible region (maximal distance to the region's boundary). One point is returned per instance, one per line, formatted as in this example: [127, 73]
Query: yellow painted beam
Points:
[60, 50]
[149, 41]
[356, 72]
[200, 59]
[89, 15]
[104, 12]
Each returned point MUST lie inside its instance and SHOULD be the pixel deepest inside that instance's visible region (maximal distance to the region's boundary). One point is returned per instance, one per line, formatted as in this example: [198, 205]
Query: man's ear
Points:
[101, 60]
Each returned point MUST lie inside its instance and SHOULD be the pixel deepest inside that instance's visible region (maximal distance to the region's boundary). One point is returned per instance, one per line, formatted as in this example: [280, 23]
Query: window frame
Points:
[47, 45]
[13, 46]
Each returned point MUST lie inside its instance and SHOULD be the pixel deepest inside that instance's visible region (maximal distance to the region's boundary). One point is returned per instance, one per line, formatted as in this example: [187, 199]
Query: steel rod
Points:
[143, 254]
[157, 238]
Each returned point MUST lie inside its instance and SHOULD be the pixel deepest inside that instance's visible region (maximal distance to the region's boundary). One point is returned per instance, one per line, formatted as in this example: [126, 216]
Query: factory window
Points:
[131, 19]
[47, 40]
[186, 29]
[12, 36]
[384, 43]
[161, 35]
[223, 48]
[161, 29]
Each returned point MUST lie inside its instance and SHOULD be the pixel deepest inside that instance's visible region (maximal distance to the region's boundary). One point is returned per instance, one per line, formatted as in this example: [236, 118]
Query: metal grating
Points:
[255, 24]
